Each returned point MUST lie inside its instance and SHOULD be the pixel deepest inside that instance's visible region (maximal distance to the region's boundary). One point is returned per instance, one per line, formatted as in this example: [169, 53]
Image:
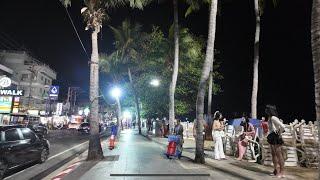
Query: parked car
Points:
[38, 128]
[20, 146]
[84, 127]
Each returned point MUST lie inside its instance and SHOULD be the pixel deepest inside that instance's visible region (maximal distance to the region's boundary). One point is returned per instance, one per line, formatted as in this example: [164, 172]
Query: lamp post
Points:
[155, 82]
[116, 93]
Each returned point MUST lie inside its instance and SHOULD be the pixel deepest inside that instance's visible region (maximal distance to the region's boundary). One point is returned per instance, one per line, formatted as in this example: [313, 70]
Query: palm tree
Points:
[127, 43]
[173, 83]
[258, 10]
[94, 13]
[315, 43]
[255, 62]
[199, 153]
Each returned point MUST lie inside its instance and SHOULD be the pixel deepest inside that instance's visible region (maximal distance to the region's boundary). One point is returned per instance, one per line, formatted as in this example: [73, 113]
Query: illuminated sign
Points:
[33, 112]
[11, 92]
[16, 103]
[5, 82]
[59, 109]
[54, 92]
[5, 104]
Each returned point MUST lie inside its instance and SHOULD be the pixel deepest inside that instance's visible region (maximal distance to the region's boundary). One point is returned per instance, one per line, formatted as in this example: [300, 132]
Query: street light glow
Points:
[116, 92]
[127, 114]
[155, 82]
[86, 111]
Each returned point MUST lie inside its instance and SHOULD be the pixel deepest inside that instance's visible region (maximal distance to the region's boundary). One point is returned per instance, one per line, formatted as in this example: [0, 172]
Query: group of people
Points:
[272, 127]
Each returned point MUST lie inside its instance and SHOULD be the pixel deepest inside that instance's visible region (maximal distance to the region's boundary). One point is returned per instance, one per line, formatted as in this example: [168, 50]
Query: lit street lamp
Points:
[155, 82]
[116, 92]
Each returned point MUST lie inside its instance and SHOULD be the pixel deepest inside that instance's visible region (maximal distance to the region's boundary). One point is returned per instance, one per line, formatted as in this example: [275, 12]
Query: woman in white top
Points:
[218, 128]
[276, 128]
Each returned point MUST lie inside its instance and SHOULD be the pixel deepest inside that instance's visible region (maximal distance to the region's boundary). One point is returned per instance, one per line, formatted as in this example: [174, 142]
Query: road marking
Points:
[47, 159]
[67, 150]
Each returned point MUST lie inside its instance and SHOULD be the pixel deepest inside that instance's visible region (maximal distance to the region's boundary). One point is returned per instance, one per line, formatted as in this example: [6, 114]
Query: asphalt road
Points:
[58, 145]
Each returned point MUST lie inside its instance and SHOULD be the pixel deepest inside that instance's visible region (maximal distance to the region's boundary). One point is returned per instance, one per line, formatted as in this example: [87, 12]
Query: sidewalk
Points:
[239, 168]
[137, 156]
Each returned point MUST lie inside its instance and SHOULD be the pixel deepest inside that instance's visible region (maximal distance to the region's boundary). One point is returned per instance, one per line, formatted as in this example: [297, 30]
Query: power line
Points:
[11, 39]
[75, 29]
[6, 43]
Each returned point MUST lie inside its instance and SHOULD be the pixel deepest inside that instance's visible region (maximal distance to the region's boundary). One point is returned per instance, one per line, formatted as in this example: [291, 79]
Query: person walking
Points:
[248, 133]
[218, 131]
[276, 128]
[178, 131]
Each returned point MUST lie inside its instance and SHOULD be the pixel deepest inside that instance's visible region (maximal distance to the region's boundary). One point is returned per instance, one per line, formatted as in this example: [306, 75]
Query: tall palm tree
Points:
[258, 11]
[173, 83]
[127, 39]
[315, 43]
[94, 13]
[199, 153]
[254, 95]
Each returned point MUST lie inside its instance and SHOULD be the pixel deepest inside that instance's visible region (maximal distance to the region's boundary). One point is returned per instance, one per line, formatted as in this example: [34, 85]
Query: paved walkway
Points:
[242, 169]
[145, 159]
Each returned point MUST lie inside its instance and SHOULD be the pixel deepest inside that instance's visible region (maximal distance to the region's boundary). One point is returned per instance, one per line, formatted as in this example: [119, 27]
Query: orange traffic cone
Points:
[111, 142]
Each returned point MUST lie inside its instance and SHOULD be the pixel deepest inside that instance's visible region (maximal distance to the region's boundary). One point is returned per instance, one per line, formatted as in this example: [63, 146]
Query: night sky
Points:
[285, 74]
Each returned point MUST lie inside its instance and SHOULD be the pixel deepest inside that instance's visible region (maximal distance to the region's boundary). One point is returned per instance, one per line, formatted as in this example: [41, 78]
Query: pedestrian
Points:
[247, 134]
[195, 123]
[149, 124]
[178, 131]
[276, 128]
[264, 126]
[218, 134]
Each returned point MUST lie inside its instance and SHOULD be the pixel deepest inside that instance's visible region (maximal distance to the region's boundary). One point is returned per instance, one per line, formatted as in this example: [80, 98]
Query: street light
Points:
[116, 92]
[155, 82]
[127, 114]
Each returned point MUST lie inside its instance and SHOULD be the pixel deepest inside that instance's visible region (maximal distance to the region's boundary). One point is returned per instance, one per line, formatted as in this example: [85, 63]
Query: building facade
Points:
[31, 76]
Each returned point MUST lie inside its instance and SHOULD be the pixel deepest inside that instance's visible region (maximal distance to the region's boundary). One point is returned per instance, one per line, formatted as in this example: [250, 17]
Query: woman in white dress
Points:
[218, 128]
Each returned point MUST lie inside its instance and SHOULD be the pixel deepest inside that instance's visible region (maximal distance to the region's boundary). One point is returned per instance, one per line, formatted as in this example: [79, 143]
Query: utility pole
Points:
[32, 75]
[72, 98]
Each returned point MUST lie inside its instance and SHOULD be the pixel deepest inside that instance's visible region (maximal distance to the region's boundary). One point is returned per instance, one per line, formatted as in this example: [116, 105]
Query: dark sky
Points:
[285, 74]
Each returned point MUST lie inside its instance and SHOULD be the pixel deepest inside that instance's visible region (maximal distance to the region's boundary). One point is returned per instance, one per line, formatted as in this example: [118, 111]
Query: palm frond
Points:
[66, 3]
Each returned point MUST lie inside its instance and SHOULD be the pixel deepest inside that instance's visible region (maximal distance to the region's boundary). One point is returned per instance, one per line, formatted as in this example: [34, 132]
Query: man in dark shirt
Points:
[178, 130]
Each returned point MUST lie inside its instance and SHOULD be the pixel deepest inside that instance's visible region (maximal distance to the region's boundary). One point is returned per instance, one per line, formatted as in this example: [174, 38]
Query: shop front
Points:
[9, 104]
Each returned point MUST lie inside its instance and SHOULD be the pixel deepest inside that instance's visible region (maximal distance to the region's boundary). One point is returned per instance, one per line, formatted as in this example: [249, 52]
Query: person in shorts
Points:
[276, 128]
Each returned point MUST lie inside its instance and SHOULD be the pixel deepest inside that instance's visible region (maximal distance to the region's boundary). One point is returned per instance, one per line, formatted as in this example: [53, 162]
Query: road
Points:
[58, 145]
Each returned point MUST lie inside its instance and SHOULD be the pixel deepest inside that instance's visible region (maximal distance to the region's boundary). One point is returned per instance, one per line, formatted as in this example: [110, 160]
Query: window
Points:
[28, 134]
[41, 78]
[12, 135]
[24, 76]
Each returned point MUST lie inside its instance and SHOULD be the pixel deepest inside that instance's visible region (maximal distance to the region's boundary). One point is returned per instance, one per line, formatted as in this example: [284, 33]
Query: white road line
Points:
[67, 150]
[48, 159]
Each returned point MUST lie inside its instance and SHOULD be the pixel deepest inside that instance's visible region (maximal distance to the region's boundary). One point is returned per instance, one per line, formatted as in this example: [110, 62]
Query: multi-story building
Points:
[33, 76]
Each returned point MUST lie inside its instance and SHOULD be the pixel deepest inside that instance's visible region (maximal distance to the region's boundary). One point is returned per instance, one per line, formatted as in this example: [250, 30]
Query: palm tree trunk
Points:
[209, 127]
[254, 95]
[173, 83]
[199, 154]
[95, 150]
[135, 99]
[315, 43]
[119, 114]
